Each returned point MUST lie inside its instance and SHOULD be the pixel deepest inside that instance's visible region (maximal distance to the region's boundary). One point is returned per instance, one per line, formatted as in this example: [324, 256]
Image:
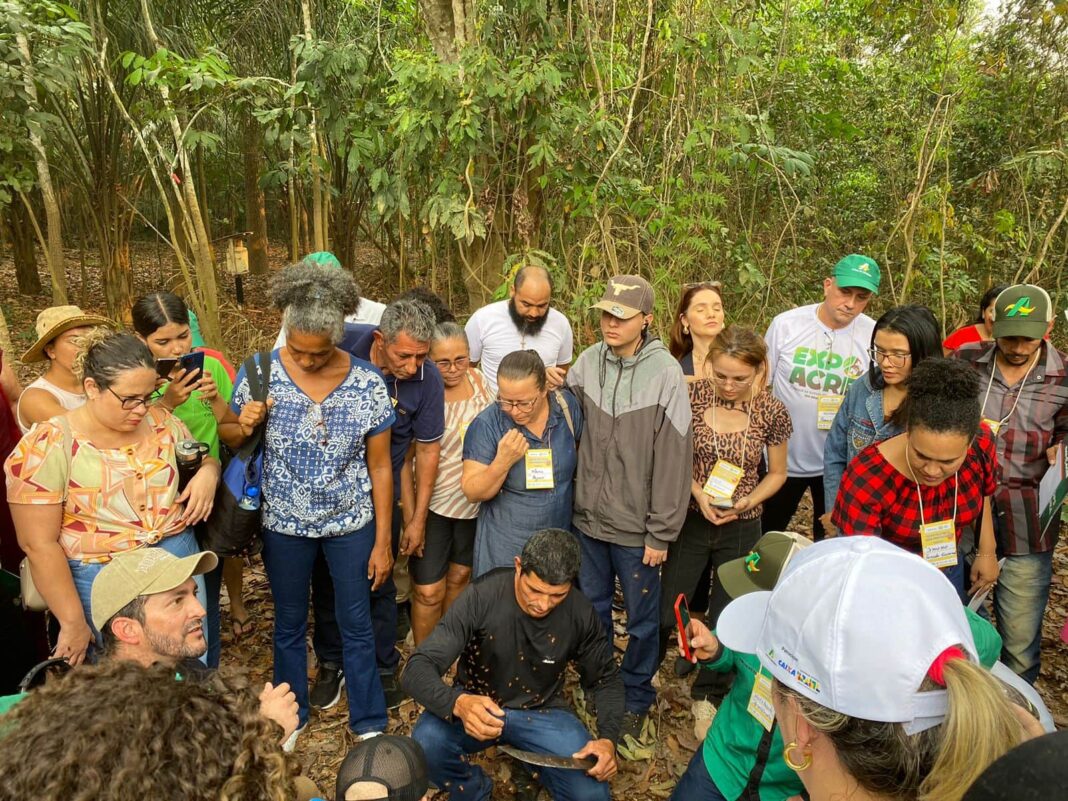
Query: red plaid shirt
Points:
[875, 499]
[1039, 421]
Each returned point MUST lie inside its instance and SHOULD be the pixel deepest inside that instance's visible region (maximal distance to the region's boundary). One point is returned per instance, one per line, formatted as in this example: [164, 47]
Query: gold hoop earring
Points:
[796, 766]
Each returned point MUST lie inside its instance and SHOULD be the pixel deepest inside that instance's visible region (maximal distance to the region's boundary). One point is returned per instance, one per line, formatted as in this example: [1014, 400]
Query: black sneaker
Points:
[633, 723]
[395, 696]
[326, 691]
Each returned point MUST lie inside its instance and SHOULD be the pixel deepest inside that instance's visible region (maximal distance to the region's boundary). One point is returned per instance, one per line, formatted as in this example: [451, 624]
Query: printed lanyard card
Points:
[827, 407]
[760, 706]
[723, 480]
[939, 543]
[993, 425]
[463, 430]
[539, 464]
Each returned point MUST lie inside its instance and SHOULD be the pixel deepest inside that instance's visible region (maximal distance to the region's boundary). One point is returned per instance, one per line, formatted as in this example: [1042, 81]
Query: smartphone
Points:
[164, 367]
[192, 362]
[682, 619]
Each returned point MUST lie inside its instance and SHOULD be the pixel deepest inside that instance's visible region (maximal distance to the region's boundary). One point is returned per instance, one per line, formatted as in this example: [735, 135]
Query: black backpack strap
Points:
[258, 374]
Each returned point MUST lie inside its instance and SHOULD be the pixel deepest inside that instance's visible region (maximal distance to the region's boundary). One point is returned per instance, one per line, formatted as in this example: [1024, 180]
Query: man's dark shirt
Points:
[419, 401]
[517, 660]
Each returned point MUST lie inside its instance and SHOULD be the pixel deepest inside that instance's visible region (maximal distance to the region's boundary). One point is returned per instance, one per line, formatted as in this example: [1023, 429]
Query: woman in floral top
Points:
[327, 483]
[102, 479]
[734, 422]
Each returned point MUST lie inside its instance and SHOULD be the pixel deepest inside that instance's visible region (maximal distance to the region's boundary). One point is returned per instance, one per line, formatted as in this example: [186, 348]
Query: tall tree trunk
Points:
[54, 251]
[255, 205]
[116, 272]
[22, 250]
[318, 218]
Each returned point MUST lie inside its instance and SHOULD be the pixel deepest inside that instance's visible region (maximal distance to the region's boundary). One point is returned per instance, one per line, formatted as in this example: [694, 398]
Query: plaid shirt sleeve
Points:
[858, 509]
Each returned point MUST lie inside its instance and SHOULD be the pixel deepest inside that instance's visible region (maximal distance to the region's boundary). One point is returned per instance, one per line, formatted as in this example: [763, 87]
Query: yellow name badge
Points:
[539, 464]
[463, 430]
[723, 480]
[760, 706]
[993, 425]
[827, 407]
[939, 543]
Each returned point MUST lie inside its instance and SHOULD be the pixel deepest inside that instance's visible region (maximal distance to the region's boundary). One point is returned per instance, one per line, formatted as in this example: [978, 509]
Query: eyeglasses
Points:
[519, 405]
[458, 363]
[131, 402]
[893, 359]
[724, 381]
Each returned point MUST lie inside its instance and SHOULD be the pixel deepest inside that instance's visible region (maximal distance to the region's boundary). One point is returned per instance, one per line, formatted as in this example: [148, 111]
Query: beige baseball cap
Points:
[626, 296]
[145, 571]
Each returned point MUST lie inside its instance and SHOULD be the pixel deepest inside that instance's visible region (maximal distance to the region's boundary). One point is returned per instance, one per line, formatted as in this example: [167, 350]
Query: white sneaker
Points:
[703, 714]
[368, 735]
[291, 741]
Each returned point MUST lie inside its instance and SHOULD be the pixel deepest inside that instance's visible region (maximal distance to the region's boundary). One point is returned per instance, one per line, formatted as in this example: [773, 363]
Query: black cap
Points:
[396, 762]
[1030, 772]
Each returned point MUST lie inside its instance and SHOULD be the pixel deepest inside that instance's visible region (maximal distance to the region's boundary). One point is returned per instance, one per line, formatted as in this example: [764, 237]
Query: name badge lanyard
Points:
[938, 539]
[995, 425]
[539, 461]
[725, 476]
[828, 403]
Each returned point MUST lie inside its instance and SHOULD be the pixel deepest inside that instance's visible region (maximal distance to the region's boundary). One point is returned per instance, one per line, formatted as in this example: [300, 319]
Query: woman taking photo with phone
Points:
[102, 479]
[200, 398]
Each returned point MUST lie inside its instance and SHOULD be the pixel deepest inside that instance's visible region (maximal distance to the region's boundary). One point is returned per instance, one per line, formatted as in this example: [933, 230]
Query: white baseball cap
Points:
[855, 623]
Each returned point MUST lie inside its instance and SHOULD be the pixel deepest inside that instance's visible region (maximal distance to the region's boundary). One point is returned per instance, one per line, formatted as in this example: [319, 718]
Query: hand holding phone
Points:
[164, 367]
[682, 620]
[192, 362]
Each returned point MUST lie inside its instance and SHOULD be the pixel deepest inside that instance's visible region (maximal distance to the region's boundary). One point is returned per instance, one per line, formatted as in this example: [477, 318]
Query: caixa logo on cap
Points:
[800, 676]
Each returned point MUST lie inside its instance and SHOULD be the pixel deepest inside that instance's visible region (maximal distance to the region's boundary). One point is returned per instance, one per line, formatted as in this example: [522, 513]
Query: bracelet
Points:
[994, 555]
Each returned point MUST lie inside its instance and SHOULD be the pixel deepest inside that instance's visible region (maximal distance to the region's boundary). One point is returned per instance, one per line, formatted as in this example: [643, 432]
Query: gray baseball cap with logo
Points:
[625, 296]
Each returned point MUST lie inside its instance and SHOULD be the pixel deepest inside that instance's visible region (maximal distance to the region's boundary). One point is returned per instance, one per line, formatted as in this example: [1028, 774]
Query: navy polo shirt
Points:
[419, 401]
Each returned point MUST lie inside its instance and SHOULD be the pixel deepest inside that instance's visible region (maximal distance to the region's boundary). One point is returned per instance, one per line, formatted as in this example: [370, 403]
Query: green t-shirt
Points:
[8, 701]
[197, 414]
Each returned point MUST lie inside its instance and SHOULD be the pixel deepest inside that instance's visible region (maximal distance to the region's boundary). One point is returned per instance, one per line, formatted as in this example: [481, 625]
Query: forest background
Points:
[444, 142]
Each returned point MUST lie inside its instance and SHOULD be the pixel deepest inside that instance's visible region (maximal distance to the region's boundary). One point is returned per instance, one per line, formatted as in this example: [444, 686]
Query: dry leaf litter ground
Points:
[324, 744]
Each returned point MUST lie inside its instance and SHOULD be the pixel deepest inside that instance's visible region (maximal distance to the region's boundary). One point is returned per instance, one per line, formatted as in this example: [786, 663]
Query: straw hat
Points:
[53, 321]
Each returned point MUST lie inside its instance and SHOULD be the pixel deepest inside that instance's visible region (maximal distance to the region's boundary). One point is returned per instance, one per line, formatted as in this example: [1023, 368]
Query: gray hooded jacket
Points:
[635, 458]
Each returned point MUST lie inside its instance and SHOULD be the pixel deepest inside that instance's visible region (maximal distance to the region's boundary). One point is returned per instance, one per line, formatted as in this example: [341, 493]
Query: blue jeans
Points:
[184, 544]
[602, 563]
[1019, 603]
[289, 562]
[695, 783]
[213, 585]
[549, 731]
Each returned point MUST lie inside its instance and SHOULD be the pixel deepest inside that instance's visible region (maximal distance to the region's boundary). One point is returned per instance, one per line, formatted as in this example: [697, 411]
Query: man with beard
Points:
[146, 608]
[1025, 406]
[523, 322]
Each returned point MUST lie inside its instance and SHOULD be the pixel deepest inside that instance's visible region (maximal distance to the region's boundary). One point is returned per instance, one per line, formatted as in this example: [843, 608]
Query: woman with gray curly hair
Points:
[327, 483]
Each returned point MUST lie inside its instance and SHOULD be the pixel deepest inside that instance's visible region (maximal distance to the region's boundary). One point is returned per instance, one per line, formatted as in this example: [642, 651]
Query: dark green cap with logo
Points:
[858, 271]
[1022, 310]
[761, 567]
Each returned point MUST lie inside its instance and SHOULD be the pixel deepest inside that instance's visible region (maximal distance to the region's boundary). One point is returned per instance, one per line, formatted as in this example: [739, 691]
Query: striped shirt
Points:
[448, 500]
[1039, 421]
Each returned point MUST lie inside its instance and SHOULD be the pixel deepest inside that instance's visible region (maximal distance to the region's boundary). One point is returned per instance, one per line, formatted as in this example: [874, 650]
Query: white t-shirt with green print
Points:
[808, 359]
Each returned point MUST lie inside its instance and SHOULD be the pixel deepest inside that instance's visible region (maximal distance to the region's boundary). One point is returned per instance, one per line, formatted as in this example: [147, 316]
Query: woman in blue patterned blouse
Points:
[327, 483]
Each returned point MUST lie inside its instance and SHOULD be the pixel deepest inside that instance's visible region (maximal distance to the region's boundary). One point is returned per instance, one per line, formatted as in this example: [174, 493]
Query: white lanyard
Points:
[715, 435]
[1019, 392]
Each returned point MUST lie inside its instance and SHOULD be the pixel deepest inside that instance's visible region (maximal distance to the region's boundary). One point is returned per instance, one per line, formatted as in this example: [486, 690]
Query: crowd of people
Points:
[480, 490]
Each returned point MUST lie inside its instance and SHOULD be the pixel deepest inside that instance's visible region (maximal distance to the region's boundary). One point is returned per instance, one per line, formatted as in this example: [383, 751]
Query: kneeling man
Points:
[514, 632]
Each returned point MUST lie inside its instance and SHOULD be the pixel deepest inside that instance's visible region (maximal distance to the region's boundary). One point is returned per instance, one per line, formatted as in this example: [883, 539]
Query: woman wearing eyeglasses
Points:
[734, 422]
[100, 480]
[698, 319]
[921, 488]
[873, 406]
[440, 574]
[519, 461]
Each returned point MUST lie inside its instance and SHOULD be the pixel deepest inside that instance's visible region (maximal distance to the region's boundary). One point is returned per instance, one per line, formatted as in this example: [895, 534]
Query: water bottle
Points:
[250, 499]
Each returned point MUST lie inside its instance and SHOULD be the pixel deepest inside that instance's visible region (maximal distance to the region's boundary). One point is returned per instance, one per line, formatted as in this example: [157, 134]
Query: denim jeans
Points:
[289, 562]
[1019, 603]
[695, 783]
[184, 544]
[326, 639]
[550, 731]
[602, 563]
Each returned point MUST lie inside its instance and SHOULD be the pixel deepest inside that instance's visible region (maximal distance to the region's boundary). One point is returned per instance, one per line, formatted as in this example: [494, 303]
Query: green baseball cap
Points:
[761, 567]
[858, 271]
[323, 257]
[1022, 310]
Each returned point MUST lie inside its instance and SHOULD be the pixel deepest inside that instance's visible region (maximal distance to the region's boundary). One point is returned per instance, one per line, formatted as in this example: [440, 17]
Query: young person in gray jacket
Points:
[633, 476]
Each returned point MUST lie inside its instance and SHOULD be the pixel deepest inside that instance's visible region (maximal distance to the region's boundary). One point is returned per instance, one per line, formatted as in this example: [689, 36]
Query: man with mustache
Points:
[1025, 406]
[523, 322]
[146, 608]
